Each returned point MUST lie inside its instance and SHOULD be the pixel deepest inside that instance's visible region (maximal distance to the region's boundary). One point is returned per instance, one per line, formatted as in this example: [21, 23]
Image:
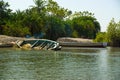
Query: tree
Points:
[16, 30]
[85, 24]
[15, 25]
[56, 10]
[113, 33]
[68, 28]
[101, 37]
[33, 21]
[55, 28]
[39, 5]
[4, 14]
[35, 17]
[48, 18]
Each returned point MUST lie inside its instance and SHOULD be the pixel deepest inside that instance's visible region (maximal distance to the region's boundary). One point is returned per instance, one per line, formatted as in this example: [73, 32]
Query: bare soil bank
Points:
[79, 40]
[9, 39]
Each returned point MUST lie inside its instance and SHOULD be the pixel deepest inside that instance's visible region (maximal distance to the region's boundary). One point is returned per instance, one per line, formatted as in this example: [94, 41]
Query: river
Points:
[67, 64]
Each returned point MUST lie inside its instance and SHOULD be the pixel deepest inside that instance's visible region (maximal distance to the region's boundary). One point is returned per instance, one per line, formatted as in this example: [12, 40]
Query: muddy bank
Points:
[4, 39]
[79, 40]
[9, 41]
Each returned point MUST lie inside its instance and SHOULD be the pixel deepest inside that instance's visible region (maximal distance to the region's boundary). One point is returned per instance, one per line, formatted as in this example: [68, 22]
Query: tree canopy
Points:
[113, 33]
[46, 19]
[112, 36]
[85, 24]
[4, 14]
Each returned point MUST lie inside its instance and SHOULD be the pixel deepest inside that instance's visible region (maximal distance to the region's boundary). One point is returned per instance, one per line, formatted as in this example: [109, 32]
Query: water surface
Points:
[67, 64]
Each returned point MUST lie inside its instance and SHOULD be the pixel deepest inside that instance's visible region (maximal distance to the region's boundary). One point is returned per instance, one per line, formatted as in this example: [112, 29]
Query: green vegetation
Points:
[85, 24]
[113, 33]
[47, 20]
[101, 37]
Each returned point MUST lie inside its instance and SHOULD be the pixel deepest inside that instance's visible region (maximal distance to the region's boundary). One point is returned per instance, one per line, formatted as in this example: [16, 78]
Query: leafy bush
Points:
[17, 31]
[101, 37]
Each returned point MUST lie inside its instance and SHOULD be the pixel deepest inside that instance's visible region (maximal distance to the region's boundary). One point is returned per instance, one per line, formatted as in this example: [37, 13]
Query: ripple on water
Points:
[68, 64]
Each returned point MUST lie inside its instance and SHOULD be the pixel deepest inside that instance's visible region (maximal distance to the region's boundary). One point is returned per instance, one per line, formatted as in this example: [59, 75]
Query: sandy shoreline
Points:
[9, 41]
[79, 40]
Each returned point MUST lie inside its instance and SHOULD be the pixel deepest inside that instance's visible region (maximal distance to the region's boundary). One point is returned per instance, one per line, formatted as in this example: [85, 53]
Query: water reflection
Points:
[68, 64]
[103, 65]
[82, 50]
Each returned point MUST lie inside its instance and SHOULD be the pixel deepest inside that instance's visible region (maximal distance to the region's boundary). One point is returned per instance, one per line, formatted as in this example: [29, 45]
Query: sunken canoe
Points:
[40, 43]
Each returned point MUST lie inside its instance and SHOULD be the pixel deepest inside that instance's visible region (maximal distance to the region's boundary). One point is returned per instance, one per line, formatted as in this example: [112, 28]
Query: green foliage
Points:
[4, 14]
[101, 37]
[55, 28]
[4, 11]
[54, 9]
[75, 34]
[85, 24]
[48, 18]
[15, 30]
[39, 6]
[113, 33]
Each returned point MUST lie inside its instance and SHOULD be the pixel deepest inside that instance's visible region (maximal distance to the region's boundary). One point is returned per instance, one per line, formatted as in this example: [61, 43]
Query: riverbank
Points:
[80, 42]
[9, 41]
[4, 39]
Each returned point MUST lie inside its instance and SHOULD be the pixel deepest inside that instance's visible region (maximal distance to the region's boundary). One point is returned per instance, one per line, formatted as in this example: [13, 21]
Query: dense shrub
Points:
[16, 31]
[101, 37]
